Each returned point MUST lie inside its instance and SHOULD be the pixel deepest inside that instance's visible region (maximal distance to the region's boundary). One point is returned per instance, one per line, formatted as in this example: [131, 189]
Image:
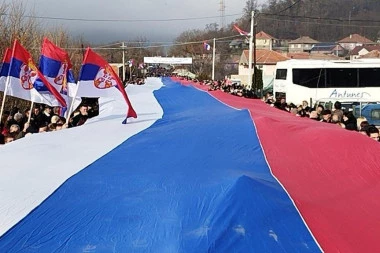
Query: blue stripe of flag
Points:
[88, 72]
[195, 181]
[4, 69]
[49, 67]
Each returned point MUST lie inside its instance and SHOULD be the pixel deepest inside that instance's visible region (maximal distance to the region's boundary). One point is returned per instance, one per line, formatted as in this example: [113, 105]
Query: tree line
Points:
[17, 22]
[322, 20]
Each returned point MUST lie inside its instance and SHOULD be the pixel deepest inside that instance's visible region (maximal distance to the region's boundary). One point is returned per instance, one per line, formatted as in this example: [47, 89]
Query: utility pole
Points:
[250, 52]
[123, 47]
[254, 50]
[213, 61]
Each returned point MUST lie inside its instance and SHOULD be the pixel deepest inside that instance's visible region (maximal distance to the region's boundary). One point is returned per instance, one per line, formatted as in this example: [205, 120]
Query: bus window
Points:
[375, 114]
[341, 78]
[369, 77]
[281, 74]
[311, 78]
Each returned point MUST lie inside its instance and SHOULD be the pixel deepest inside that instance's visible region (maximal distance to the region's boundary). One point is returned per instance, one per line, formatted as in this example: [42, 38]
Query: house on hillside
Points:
[231, 64]
[328, 48]
[312, 56]
[373, 54]
[239, 44]
[354, 40]
[298, 55]
[302, 44]
[266, 41]
[360, 51]
[266, 61]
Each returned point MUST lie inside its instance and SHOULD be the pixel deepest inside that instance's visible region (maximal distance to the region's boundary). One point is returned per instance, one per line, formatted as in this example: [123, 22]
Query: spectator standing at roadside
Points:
[338, 110]
[81, 117]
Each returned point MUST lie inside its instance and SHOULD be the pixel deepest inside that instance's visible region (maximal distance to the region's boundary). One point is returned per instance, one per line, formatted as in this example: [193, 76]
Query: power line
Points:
[197, 18]
[221, 39]
[289, 7]
[319, 18]
[121, 20]
[319, 23]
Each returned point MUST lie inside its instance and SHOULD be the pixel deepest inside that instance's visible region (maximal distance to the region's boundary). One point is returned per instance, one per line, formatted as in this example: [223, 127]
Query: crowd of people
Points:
[134, 81]
[232, 88]
[15, 124]
[344, 118]
[159, 71]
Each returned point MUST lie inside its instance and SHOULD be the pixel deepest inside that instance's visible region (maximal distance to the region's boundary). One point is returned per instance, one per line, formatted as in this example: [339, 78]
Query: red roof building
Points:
[355, 40]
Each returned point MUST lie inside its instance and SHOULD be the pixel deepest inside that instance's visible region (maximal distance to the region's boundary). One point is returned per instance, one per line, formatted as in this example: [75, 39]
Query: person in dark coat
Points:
[80, 118]
[46, 115]
[349, 121]
[36, 118]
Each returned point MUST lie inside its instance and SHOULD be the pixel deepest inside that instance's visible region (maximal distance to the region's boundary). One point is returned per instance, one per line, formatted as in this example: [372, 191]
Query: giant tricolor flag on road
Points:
[23, 75]
[55, 65]
[5, 68]
[163, 185]
[98, 79]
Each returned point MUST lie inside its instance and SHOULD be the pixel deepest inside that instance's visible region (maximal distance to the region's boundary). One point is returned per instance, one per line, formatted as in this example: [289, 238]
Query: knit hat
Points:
[17, 116]
[55, 119]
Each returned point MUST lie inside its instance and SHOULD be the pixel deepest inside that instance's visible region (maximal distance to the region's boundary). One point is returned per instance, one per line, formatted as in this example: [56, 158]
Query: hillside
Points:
[323, 20]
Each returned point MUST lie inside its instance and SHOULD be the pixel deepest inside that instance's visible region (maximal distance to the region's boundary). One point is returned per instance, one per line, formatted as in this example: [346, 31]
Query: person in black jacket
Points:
[81, 117]
[349, 121]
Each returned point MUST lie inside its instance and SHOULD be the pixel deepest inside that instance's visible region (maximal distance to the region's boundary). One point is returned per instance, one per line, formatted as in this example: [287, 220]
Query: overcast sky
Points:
[134, 10]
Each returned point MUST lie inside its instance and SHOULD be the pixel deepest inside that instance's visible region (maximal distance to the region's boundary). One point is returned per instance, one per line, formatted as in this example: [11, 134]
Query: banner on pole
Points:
[167, 60]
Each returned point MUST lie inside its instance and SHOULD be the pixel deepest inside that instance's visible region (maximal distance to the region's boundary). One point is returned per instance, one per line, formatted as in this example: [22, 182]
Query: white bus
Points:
[316, 80]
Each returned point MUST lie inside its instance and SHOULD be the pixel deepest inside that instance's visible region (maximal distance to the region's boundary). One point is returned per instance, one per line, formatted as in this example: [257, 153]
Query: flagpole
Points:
[250, 53]
[131, 71]
[72, 103]
[123, 46]
[213, 61]
[30, 111]
[5, 95]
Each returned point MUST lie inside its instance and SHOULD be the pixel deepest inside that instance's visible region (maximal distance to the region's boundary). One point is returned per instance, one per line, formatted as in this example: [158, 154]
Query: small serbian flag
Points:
[5, 68]
[131, 62]
[23, 75]
[55, 65]
[98, 79]
[206, 46]
[241, 32]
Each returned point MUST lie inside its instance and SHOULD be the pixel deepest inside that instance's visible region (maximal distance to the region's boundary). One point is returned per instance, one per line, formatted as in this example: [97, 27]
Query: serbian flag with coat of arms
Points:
[241, 32]
[23, 75]
[5, 68]
[206, 46]
[98, 79]
[55, 65]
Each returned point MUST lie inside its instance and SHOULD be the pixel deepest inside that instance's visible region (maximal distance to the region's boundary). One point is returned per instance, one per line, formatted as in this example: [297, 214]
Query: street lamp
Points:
[123, 47]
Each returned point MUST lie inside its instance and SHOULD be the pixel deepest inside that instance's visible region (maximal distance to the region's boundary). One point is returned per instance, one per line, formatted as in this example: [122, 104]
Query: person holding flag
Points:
[21, 80]
[98, 79]
[130, 63]
[55, 65]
